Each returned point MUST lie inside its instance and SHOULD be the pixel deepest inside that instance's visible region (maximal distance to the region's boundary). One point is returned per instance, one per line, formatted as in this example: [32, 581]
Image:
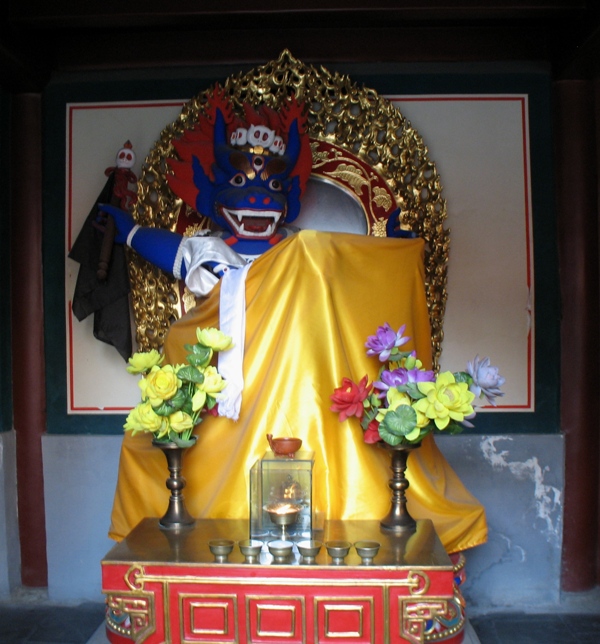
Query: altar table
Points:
[165, 586]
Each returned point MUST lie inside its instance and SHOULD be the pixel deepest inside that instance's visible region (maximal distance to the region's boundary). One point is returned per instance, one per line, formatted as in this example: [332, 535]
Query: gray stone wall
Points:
[10, 559]
[520, 481]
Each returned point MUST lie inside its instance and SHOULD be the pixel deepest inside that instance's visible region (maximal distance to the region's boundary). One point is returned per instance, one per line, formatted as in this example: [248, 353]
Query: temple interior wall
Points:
[517, 476]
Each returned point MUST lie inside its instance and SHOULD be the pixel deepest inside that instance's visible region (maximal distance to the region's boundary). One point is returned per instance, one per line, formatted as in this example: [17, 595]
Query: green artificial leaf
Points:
[181, 442]
[187, 406]
[454, 428]
[390, 439]
[191, 374]
[396, 355]
[412, 389]
[173, 404]
[179, 399]
[463, 376]
[166, 409]
[200, 352]
[200, 357]
[400, 421]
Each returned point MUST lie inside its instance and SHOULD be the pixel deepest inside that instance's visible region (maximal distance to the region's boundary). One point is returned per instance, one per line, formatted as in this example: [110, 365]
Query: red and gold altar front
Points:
[164, 586]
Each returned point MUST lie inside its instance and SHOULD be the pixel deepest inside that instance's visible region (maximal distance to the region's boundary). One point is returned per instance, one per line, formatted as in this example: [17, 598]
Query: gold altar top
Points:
[149, 544]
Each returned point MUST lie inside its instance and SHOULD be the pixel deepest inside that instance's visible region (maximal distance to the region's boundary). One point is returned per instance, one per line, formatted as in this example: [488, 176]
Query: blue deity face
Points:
[252, 203]
[252, 192]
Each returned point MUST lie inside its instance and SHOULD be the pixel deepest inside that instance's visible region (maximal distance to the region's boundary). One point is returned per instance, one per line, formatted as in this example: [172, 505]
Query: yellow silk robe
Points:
[311, 302]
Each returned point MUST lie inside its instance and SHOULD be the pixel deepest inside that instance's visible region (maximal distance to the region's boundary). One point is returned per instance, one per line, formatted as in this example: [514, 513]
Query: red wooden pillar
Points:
[28, 367]
[577, 203]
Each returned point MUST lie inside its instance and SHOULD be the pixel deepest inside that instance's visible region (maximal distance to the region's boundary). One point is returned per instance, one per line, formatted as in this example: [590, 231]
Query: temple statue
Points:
[299, 304]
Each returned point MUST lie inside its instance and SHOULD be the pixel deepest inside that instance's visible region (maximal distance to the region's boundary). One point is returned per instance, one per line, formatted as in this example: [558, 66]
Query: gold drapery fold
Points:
[311, 303]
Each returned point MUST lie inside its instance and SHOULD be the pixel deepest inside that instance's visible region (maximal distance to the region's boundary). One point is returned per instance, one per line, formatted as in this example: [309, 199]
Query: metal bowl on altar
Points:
[281, 550]
[221, 549]
[309, 549]
[251, 549]
[367, 551]
[283, 515]
[338, 550]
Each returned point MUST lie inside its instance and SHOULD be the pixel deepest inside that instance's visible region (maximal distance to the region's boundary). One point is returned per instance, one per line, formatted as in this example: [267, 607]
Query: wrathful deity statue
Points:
[298, 305]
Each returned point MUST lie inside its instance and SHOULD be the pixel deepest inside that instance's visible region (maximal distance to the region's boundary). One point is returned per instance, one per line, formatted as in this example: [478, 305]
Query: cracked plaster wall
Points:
[519, 479]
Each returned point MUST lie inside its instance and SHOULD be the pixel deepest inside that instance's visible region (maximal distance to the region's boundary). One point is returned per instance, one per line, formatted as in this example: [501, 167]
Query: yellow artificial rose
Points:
[214, 338]
[180, 422]
[422, 420]
[144, 419]
[445, 400]
[132, 422]
[198, 399]
[213, 382]
[159, 385]
[143, 362]
[395, 398]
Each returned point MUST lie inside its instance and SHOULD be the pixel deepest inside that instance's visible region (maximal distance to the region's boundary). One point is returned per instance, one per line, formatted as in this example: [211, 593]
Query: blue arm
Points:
[156, 245]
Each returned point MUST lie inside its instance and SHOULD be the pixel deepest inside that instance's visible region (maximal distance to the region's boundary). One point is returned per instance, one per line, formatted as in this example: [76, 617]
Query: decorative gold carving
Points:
[190, 231]
[134, 577]
[352, 118]
[452, 621]
[414, 615]
[356, 177]
[138, 608]
[381, 198]
[379, 228]
[189, 299]
[417, 582]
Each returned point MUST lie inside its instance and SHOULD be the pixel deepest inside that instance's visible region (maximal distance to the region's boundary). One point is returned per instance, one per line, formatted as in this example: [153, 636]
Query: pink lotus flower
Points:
[348, 399]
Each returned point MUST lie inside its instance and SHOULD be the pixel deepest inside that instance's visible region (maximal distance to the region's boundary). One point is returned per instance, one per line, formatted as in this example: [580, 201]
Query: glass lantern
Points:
[281, 497]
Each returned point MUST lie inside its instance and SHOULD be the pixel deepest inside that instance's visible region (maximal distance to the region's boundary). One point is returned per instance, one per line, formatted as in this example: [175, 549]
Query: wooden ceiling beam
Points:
[144, 13]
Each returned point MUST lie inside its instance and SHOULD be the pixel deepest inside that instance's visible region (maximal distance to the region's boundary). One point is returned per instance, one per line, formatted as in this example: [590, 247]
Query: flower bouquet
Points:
[407, 401]
[174, 397]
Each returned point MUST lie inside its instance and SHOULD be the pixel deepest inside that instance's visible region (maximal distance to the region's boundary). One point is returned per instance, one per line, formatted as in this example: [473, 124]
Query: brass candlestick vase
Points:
[176, 515]
[398, 519]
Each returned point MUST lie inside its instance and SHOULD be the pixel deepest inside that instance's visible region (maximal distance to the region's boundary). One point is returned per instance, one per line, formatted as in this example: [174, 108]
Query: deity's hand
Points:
[124, 222]
[394, 227]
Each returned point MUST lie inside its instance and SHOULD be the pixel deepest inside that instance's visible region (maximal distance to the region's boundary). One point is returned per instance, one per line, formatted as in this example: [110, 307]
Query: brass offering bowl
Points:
[281, 550]
[367, 551]
[338, 550]
[221, 549]
[309, 549]
[251, 549]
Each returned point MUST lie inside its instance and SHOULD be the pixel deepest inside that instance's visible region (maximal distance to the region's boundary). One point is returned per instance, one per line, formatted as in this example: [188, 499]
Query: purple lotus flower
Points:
[486, 380]
[385, 341]
[402, 376]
